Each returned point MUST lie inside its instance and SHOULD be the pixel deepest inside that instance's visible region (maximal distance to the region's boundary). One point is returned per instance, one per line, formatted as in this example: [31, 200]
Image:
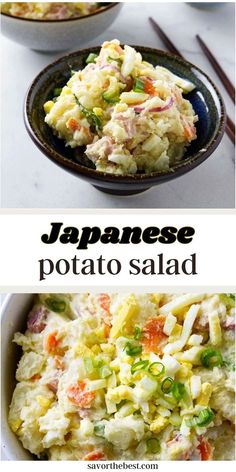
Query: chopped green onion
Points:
[211, 358]
[178, 390]
[110, 59]
[110, 97]
[140, 365]
[91, 117]
[99, 430]
[105, 371]
[98, 362]
[157, 369]
[133, 349]
[57, 91]
[166, 385]
[138, 86]
[229, 364]
[137, 333]
[153, 445]
[89, 365]
[72, 71]
[55, 304]
[91, 58]
[203, 419]
[228, 299]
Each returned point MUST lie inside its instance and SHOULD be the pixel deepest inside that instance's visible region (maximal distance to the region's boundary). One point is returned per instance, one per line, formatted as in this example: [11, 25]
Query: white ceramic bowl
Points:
[14, 313]
[58, 35]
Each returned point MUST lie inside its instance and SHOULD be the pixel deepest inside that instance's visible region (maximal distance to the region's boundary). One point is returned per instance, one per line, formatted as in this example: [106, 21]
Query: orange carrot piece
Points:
[94, 456]
[153, 337]
[77, 395]
[205, 450]
[52, 343]
[73, 124]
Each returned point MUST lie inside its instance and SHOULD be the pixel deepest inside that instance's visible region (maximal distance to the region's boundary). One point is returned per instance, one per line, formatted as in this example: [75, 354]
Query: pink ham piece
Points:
[169, 103]
[84, 413]
[53, 385]
[115, 69]
[37, 319]
[229, 323]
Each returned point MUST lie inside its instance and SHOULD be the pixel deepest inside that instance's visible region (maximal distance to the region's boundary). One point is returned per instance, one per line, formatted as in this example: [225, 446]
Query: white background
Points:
[214, 243]
[30, 180]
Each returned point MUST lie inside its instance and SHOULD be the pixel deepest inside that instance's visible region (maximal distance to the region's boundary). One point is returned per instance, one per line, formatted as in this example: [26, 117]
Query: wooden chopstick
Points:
[231, 134]
[230, 127]
[168, 43]
[230, 124]
[218, 69]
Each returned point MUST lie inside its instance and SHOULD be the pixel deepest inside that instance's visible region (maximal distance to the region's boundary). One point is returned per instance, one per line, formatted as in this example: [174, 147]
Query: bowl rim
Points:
[176, 170]
[35, 20]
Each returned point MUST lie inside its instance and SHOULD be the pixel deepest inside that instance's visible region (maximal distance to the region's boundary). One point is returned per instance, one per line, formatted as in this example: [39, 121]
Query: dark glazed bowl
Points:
[205, 99]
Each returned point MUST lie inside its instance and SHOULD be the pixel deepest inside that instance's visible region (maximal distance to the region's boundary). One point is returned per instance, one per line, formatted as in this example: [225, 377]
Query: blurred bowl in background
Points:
[206, 5]
[59, 35]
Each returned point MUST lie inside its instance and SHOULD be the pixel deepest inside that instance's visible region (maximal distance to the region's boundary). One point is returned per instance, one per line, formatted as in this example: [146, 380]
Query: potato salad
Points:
[48, 10]
[127, 377]
[129, 115]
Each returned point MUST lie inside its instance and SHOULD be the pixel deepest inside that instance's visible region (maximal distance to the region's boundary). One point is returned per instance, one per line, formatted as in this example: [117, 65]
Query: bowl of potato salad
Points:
[124, 117]
[56, 26]
[118, 376]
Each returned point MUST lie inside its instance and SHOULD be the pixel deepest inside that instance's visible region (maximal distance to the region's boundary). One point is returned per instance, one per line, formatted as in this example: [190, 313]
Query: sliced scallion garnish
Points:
[203, 419]
[166, 385]
[55, 304]
[178, 390]
[89, 365]
[140, 365]
[157, 369]
[90, 115]
[153, 445]
[99, 430]
[91, 58]
[137, 333]
[57, 91]
[133, 349]
[138, 86]
[105, 371]
[211, 358]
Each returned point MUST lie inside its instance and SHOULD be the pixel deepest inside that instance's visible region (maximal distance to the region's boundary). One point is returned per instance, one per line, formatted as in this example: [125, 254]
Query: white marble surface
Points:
[31, 180]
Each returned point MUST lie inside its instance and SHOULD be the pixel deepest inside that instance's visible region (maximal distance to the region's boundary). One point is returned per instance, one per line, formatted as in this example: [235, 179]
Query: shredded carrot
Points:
[189, 130]
[77, 394]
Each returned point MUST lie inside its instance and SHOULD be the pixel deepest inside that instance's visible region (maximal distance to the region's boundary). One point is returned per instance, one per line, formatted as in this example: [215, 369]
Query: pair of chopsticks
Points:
[230, 126]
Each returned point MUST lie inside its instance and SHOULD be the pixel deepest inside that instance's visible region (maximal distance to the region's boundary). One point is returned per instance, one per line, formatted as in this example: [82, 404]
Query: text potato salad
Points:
[127, 377]
[131, 116]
